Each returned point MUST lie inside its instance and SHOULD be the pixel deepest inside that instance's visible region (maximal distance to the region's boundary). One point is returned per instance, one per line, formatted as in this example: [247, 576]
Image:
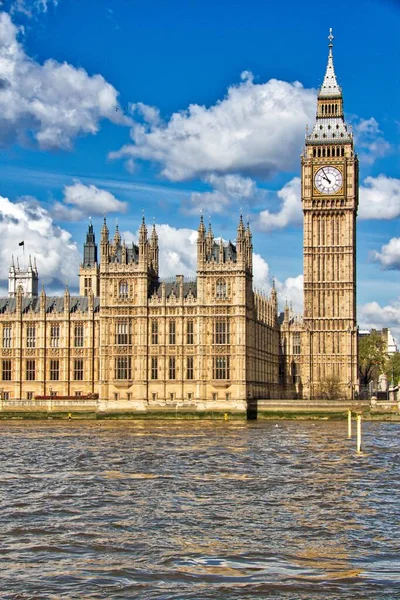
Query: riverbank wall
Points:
[85, 409]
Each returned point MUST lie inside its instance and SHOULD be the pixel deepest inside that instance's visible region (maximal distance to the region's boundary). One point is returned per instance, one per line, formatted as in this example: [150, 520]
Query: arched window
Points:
[221, 289]
[123, 289]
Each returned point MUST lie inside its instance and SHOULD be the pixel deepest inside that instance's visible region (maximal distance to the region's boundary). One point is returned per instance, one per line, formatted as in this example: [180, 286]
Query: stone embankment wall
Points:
[257, 409]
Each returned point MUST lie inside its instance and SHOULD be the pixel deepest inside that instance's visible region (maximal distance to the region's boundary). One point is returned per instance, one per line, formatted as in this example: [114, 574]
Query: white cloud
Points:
[291, 290]
[255, 129]
[290, 212]
[380, 198]
[227, 189]
[86, 200]
[369, 140]
[261, 279]
[28, 7]
[56, 253]
[389, 256]
[50, 104]
[374, 316]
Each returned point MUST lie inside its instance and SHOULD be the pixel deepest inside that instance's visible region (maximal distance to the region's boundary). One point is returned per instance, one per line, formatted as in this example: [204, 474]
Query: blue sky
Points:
[95, 100]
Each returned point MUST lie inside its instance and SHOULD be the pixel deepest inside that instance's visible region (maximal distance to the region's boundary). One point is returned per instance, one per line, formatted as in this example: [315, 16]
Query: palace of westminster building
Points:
[132, 339]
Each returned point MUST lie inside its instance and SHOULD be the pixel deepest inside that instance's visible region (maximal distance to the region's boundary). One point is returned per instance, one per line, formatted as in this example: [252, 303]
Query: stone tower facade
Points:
[89, 270]
[25, 278]
[329, 169]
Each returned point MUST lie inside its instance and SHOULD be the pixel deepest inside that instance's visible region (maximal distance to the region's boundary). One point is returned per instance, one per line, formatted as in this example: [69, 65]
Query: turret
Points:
[209, 240]
[26, 277]
[42, 301]
[154, 249]
[249, 247]
[221, 251]
[90, 248]
[104, 242]
[89, 269]
[143, 244]
[201, 243]
[240, 242]
[117, 237]
[274, 297]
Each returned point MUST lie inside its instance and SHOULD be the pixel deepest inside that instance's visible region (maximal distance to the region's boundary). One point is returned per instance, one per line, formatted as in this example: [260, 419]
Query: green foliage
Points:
[372, 357]
[392, 367]
[330, 388]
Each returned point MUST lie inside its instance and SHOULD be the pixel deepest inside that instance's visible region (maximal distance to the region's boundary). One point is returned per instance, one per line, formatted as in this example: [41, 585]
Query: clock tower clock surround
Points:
[329, 168]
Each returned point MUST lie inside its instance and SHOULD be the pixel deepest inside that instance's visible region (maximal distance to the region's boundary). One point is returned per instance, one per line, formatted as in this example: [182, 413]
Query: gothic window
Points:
[172, 367]
[54, 336]
[189, 332]
[221, 289]
[172, 332]
[123, 367]
[221, 367]
[123, 289]
[294, 372]
[296, 343]
[154, 367]
[189, 367]
[6, 370]
[88, 285]
[78, 369]
[154, 332]
[221, 332]
[122, 333]
[31, 336]
[7, 336]
[54, 370]
[30, 370]
[78, 335]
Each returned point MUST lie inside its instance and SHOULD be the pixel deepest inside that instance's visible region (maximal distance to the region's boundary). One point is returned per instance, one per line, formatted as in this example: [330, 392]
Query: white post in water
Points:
[358, 433]
[349, 424]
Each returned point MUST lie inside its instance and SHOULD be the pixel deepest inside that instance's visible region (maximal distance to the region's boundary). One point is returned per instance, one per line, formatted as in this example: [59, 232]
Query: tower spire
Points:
[330, 86]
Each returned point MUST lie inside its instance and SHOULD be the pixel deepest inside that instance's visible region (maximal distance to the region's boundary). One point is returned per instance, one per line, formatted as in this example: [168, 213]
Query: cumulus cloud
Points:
[82, 200]
[374, 316]
[255, 129]
[291, 290]
[389, 256]
[290, 212]
[369, 140]
[56, 253]
[380, 198]
[49, 104]
[227, 189]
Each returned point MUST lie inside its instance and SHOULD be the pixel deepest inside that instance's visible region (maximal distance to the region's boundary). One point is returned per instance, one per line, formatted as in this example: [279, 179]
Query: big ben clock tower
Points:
[330, 200]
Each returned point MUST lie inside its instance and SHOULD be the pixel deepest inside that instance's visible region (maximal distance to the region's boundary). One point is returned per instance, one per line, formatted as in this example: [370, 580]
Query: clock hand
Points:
[325, 176]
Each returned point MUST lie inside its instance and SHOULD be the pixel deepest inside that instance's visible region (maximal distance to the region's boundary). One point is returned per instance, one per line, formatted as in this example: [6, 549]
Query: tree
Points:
[330, 388]
[372, 357]
[392, 367]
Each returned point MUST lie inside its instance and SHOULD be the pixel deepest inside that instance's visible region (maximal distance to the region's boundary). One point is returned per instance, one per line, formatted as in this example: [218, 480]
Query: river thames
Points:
[198, 510]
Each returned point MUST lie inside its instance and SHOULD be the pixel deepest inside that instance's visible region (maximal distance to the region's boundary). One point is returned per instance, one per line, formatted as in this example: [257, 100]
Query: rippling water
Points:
[198, 510]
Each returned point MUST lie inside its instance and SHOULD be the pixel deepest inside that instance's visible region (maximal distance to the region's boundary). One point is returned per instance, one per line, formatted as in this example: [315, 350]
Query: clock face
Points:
[328, 180]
